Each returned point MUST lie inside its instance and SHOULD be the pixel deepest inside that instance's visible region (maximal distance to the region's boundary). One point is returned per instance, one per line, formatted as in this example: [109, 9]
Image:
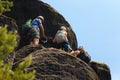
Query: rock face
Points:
[11, 24]
[102, 70]
[50, 63]
[54, 64]
[29, 9]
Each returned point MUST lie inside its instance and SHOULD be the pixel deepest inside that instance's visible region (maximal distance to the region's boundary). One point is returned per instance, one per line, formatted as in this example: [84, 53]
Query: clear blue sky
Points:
[97, 27]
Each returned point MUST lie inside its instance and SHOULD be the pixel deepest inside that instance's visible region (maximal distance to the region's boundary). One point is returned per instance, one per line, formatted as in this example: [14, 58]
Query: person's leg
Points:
[67, 47]
[35, 41]
[35, 36]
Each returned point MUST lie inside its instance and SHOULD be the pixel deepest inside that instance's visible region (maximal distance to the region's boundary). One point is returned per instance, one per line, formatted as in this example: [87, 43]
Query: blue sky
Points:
[97, 27]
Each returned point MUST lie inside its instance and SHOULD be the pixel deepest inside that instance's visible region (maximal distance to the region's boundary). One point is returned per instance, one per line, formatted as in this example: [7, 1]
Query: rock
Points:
[54, 64]
[102, 70]
[11, 24]
[50, 63]
[26, 9]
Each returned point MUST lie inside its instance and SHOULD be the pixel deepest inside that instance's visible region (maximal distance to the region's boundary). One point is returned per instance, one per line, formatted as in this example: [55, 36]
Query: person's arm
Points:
[54, 40]
[66, 35]
[42, 32]
[75, 53]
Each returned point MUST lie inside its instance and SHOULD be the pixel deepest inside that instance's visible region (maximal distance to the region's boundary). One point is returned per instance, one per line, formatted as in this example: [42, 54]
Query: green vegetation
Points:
[7, 44]
[5, 6]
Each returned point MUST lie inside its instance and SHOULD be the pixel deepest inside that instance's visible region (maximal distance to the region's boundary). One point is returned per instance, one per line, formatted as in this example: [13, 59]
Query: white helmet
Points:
[63, 28]
[41, 17]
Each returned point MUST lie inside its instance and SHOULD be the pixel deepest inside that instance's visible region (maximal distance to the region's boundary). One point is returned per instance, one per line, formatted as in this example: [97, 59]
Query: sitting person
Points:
[62, 40]
[82, 54]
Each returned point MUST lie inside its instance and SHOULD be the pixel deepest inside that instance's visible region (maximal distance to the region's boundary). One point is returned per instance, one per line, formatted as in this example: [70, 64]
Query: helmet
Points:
[63, 28]
[41, 17]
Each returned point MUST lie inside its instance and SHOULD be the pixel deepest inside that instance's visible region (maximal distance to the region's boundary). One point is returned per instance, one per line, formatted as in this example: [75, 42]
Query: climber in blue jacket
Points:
[37, 30]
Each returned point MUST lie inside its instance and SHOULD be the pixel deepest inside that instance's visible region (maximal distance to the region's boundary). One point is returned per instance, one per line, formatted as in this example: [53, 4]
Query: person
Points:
[82, 54]
[37, 30]
[62, 40]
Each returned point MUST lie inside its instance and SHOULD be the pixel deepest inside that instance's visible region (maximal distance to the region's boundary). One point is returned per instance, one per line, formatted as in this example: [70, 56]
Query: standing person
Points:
[62, 40]
[37, 30]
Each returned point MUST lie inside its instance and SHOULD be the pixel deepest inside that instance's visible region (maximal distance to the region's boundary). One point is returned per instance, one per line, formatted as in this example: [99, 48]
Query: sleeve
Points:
[39, 21]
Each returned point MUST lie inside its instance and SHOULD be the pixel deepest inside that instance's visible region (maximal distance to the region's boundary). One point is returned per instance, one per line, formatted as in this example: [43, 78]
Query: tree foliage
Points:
[7, 44]
[5, 6]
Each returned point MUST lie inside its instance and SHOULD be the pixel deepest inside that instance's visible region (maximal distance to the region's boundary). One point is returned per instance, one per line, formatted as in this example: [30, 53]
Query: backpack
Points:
[27, 24]
[60, 37]
[24, 29]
